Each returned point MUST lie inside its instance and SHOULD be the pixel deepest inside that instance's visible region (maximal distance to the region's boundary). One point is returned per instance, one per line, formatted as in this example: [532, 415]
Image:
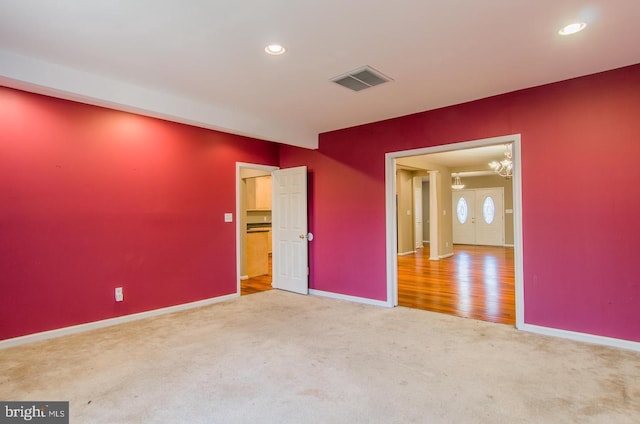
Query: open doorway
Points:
[254, 231]
[466, 280]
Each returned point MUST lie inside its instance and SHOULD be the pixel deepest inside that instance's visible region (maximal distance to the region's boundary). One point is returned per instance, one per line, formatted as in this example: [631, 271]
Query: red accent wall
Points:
[92, 199]
[581, 197]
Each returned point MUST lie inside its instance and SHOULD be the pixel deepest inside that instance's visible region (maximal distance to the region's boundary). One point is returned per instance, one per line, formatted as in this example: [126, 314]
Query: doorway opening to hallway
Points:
[254, 211]
[457, 249]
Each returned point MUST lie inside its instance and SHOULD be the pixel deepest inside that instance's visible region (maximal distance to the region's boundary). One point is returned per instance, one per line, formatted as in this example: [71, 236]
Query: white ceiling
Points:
[202, 61]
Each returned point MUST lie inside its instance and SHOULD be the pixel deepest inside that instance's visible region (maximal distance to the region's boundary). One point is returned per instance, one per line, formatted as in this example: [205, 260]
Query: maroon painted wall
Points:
[581, 197]
[92, 198]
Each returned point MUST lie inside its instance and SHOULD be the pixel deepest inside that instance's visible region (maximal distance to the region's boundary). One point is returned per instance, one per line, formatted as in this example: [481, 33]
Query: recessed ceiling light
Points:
[572, 28]
[275, 49]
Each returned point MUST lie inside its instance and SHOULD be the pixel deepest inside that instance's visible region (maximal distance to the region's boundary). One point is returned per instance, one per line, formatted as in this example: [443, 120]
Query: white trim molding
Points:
[391, 229]
[65, 331]
[448, 255]
[581, 337]
[346, 297]
[406, 253]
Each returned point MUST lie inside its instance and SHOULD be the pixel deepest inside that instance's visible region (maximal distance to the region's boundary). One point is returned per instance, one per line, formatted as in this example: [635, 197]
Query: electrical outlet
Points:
[119, 294]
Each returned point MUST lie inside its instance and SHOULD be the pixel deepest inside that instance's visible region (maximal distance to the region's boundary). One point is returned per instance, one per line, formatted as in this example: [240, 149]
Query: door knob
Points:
[308, 236]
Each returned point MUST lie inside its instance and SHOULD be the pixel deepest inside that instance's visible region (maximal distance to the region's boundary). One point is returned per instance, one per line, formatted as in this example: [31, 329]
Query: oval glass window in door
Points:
[488, 210]
[462, 210]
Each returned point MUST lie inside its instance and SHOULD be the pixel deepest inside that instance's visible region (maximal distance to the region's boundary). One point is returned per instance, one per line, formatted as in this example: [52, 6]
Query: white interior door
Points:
[289, 226]
[417, 212]
[490, 216]
[464, 203]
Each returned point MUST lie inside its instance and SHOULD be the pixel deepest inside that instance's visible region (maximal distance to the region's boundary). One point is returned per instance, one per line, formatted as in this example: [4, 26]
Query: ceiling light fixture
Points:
[504, 168]
[457, 184]
[275, 49]
[572, 28]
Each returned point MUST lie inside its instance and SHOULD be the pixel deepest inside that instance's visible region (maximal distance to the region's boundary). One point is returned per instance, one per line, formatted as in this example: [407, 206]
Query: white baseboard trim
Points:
[448, 255]
[59, 332]
[582, 337]
[425, 241]
[244, 277]
[508, 245]
[407, 253]
[350, 298]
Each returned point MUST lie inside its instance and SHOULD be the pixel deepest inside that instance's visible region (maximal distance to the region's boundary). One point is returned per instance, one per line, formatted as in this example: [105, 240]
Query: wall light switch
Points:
[119, 294]
[228, 217]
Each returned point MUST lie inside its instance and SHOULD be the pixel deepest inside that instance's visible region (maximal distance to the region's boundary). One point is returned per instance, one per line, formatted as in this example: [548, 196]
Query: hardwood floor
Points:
[476, 282]
[256, 284]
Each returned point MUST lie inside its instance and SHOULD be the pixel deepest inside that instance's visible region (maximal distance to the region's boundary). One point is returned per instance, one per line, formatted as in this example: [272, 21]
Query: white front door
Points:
[464, 230]
[289, 226]
[479, 216]
[490, 216]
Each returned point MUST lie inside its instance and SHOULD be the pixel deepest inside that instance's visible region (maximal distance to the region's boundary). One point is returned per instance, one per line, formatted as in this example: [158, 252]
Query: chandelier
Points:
[457, 184]
[503, 168]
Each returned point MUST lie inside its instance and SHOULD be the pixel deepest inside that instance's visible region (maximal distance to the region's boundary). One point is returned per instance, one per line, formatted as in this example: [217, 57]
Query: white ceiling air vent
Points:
[361, 78]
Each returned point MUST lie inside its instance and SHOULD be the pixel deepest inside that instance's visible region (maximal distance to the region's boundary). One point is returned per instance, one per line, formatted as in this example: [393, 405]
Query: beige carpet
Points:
[277, 357]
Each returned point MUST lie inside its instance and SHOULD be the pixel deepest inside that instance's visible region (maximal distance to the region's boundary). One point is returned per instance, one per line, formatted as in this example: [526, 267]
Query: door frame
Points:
[391, 221]
[239, 166]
